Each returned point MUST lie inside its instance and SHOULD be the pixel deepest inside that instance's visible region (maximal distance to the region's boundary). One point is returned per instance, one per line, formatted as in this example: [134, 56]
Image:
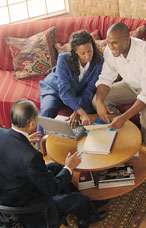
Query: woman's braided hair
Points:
[80, 38]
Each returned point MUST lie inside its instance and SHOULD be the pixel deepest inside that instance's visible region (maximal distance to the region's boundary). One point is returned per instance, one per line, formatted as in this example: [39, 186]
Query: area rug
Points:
[123, 212]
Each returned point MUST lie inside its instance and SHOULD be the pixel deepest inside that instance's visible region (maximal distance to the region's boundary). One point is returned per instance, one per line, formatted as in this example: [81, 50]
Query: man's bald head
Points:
[118, 39]
[23, 111]
[121, 27]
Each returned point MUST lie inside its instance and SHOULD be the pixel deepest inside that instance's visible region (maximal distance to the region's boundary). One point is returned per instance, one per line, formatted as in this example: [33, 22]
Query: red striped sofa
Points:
[11, 88]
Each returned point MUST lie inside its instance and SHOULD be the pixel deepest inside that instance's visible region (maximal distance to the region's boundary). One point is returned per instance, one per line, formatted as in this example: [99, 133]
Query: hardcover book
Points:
[86, 180]
[116, 184]
[99, 141]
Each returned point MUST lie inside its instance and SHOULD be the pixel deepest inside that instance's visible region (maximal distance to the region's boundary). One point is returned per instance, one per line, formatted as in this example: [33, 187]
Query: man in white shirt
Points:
[126, 56]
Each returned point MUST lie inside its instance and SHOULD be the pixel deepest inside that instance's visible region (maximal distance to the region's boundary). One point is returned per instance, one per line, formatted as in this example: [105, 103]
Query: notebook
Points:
[60, 128]
[99, 141]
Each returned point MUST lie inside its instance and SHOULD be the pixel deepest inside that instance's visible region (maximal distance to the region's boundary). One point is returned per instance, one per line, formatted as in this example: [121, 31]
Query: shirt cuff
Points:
[103, 82]
[142, 98]
[66, 167]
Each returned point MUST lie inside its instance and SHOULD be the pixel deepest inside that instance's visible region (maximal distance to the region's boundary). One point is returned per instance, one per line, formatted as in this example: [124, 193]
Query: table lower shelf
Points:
[108, 193]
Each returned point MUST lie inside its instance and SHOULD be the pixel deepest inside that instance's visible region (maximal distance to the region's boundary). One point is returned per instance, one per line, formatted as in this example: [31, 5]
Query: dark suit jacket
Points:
[24, 177]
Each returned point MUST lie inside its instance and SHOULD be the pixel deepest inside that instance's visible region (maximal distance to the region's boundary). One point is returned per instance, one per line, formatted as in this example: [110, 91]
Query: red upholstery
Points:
[12, 89]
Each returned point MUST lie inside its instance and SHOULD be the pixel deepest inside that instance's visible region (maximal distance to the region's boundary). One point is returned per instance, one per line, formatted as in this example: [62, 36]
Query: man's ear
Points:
[31, 126]
[128, 39]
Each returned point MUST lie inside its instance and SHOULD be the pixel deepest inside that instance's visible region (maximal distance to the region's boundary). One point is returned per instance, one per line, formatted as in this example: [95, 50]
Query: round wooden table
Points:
[127, 143]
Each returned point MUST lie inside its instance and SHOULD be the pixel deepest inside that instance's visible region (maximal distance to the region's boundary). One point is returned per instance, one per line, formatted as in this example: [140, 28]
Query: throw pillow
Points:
[33, 56]
[101, 44]
[66, 47]
[140, 32]
[62, 47]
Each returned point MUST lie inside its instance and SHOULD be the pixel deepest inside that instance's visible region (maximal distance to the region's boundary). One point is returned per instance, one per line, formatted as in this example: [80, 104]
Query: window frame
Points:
[66, 11]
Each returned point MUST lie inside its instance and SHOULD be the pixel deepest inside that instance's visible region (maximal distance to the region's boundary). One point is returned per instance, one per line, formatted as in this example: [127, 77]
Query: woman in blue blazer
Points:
[72, 81]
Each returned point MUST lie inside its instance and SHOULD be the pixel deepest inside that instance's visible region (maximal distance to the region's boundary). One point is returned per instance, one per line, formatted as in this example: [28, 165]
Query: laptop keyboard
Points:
[78, 130]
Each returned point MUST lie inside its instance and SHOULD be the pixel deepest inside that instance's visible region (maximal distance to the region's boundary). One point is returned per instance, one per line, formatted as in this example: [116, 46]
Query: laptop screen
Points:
[54, 125]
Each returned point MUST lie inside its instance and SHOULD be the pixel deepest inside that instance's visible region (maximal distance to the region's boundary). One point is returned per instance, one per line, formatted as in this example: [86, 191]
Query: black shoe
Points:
[100, 203]
[85, 223]
[101, 215]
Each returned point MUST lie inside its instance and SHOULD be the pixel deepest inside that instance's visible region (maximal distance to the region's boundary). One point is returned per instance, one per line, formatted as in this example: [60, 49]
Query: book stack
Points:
[122, 175]
[86, 180]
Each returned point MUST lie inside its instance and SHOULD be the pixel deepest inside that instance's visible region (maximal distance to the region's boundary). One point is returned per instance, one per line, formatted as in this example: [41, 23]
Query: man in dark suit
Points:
[24, 177]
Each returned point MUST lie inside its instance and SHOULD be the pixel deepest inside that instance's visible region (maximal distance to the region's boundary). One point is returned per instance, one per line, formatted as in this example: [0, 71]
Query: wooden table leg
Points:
[75, 178]
[43, 146]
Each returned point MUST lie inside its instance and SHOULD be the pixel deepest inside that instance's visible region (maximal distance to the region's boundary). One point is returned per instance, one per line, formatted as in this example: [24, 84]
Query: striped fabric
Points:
[12, 89]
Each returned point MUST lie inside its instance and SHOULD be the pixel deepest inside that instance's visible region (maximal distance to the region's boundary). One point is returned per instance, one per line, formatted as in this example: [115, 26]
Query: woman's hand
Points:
[35, 137]
[74, 119]
[85, 120]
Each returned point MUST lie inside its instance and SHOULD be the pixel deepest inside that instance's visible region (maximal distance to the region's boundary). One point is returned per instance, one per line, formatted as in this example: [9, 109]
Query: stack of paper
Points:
[99, 141]
[122, 175]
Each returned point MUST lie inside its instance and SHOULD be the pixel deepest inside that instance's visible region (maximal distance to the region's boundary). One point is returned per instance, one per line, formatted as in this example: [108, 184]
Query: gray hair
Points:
[22, 112]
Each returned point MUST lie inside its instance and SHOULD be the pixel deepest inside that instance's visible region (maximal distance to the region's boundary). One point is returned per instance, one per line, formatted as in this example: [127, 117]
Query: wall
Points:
[122, 8]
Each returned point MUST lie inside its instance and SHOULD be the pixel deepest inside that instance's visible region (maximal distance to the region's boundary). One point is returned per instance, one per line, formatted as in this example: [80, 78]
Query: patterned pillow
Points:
[66, 47]
[140, 32]
[33, 56]
[101, 44]
[62, 47]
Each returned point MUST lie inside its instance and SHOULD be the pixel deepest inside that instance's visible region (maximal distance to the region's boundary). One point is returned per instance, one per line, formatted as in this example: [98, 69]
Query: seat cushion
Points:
[12, 89]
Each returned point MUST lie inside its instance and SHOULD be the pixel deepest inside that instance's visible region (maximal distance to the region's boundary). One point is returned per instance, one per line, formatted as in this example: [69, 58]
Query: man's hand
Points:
[35, 137]
[118, 122]
[102, 111]
[73, 160]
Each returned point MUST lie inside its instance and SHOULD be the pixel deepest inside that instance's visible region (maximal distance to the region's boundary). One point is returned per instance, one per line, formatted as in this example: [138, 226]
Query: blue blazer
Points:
[61, 83]
[24, 177]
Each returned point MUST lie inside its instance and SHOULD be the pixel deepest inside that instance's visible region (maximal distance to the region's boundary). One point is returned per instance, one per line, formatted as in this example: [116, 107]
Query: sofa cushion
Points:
[62, 47]
[33, 56]
[66, 47]
[12, 89]
[140, 32]
[101, 44]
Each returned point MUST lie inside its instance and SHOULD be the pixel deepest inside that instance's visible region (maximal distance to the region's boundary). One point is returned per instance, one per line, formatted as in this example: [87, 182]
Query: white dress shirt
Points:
[83, 70]
[21, 132]
[132, 69]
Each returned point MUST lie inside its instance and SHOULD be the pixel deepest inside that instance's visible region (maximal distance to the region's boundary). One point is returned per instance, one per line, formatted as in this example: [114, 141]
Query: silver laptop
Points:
[60, 128]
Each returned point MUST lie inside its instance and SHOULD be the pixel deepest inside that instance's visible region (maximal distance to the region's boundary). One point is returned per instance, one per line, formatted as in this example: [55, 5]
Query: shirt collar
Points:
[131, 53]
[85, 67]
[21, 132]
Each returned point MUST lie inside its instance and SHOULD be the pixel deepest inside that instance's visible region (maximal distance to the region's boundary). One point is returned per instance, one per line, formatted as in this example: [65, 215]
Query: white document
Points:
[99, 141]
[62, 118]
[96, 126]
